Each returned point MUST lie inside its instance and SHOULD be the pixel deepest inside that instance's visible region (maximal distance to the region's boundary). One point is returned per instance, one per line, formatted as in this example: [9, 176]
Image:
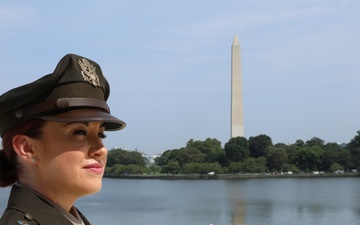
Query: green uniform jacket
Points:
[26, 208]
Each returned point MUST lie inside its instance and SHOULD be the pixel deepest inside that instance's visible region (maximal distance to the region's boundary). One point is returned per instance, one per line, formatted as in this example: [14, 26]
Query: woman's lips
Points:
[95, 168]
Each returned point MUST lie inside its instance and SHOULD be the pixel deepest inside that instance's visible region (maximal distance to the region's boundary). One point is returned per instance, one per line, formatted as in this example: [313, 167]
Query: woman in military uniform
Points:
[52, 135]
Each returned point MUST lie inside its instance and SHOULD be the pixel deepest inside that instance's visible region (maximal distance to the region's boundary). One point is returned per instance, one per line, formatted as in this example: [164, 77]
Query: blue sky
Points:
[168, 64]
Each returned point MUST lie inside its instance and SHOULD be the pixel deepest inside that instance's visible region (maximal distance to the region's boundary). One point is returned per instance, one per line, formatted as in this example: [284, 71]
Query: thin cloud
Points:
[14, 15]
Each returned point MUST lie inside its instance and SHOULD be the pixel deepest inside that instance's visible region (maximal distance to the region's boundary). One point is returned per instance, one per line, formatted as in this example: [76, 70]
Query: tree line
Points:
[241, 155]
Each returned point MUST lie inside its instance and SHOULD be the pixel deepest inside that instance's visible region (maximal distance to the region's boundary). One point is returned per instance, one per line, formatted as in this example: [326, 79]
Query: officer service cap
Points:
[76, 91]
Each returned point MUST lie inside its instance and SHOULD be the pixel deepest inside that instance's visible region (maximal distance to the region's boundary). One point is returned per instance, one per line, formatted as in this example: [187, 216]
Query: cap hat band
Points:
[81, 102]
[62, 104]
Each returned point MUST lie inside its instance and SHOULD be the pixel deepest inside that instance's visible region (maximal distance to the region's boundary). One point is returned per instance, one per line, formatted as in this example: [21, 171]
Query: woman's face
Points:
[71, 158]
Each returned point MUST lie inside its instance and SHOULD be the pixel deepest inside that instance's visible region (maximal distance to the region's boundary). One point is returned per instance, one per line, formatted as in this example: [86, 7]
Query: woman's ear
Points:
[23, 147]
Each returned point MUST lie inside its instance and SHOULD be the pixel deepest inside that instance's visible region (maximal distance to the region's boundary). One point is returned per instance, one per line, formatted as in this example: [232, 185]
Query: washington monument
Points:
[237, 124]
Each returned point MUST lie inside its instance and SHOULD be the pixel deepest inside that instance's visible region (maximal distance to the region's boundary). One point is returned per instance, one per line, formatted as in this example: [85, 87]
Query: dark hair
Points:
[9, 165]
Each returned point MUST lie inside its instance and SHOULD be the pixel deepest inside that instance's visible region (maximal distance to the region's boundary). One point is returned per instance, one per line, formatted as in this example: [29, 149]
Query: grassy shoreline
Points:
[229, 176]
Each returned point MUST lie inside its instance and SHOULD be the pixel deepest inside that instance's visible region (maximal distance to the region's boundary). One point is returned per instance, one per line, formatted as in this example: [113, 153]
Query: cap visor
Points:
[87, 115]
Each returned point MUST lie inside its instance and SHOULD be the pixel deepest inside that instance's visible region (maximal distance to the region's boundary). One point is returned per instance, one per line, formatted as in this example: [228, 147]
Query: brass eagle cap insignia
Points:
[88, 72]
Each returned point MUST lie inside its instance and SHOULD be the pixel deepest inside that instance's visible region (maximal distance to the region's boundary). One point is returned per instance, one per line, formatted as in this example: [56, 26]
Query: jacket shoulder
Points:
[16, 217]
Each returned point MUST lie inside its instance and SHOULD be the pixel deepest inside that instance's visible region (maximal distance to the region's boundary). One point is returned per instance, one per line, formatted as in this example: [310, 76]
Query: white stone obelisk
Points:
[237, 124]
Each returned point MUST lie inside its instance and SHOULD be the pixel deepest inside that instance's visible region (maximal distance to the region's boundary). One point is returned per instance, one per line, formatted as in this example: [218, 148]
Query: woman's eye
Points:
[83, 132]
[80, 132]
[102, 135]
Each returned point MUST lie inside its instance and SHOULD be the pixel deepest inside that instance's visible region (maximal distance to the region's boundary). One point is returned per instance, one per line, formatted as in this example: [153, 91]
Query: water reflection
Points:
[239, 212]
[223, 202]
[295, 201]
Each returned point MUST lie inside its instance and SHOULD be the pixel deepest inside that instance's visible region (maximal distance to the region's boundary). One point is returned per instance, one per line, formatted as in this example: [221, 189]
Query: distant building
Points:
[150, 158]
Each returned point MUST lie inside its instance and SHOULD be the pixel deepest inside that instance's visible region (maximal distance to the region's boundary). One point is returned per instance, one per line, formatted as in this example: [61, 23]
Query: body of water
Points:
[270, 201]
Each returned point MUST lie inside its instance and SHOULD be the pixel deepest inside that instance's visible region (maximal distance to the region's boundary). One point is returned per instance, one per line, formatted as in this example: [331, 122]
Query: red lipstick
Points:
[95, 167]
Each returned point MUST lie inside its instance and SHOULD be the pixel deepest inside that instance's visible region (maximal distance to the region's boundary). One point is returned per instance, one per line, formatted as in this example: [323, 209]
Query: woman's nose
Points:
[97, 148]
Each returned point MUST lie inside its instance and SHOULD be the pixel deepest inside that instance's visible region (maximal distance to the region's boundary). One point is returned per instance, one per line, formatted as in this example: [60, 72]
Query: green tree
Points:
[354, 148]
[330, 156]
[291, 168]
[335, 167]
[214, 167]
[315, 141]
[281, 145]
[276, 158]
[309, 158]
[258, 144]
[171, 168]
[119, 169]
[211, 148]
[237, 149]
[236, 167]
[206, 147]
[167, 157]
[115, 169]
[334, 153]
[188, 155]
[134, 169]
[153, 169]
[201, 168]
[120, 156]
[113, 157]
[222, 159]
[299, 143]
[255, 165]
[291, 150]
[163, 159]
[344, 158]
[189, 168]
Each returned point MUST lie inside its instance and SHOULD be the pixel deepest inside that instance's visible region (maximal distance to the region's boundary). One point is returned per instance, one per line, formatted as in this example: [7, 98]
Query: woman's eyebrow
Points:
[70, 123]
[102, 125]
